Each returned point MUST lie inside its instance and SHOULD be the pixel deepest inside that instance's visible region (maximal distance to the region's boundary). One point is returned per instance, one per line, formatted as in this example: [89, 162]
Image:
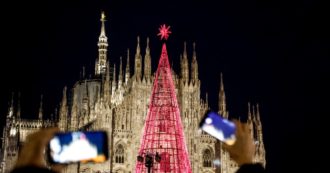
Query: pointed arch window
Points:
[207, 158]
[119, 154]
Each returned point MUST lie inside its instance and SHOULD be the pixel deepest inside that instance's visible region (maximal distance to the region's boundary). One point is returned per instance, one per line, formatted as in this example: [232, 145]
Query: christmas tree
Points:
[163, 147]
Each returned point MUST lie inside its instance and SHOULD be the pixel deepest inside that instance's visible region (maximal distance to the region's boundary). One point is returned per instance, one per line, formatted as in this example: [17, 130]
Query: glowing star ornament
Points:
[164, 32]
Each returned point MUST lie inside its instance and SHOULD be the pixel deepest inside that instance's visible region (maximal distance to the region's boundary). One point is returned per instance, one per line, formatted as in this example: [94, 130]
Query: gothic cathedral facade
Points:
[116, 101]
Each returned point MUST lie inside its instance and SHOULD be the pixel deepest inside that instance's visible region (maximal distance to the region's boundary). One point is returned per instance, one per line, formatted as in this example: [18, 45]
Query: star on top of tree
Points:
[164, 32]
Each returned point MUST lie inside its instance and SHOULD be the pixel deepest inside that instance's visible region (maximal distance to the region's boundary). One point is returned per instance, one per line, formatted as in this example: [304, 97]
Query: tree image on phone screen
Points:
[78, 147]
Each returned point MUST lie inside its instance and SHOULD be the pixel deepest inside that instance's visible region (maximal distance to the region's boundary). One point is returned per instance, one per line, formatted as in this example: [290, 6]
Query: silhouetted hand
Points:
[33, 150]
[242, 151]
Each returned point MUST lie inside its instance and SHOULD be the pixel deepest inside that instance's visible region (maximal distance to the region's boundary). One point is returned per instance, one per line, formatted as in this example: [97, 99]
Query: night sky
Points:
[270, 52]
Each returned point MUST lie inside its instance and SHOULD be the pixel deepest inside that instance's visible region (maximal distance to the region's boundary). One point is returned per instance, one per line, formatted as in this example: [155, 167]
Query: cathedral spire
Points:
[249, 110]
[127, 71]
[40, 108]
[103, 27]
[250, 122]
[185, 50]
[194, 50]
[222, 98]
[259, 125]
[253, 113]
[120, 77]
[113, 86]
[64, 103]
[138, 61]
[259, 136]
[63, 111]
[147, 62]
[106, 85]
[11, 107]
[185, 65]
[103, 45]
[194, 66]
[258, 114]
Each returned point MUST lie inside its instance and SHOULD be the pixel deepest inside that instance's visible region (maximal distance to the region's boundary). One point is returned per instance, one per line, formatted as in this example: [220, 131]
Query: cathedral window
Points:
[119, 154]
[207, 158]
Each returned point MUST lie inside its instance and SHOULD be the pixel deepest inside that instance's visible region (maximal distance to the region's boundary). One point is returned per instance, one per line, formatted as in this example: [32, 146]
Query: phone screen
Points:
[218, 127]
[78, 146]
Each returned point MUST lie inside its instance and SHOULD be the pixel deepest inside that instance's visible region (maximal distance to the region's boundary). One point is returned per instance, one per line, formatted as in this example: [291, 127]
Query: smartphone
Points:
[218, 127]
[78, 146]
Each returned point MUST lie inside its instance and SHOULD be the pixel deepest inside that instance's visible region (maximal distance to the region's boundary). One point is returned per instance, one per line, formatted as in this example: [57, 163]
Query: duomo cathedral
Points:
[116, 101]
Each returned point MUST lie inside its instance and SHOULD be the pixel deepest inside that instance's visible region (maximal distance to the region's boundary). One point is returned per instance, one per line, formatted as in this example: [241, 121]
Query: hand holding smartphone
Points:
[218, 127]
[78, 146]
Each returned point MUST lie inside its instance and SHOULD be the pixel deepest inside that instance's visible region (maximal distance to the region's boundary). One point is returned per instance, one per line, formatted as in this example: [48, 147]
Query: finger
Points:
[238, 125]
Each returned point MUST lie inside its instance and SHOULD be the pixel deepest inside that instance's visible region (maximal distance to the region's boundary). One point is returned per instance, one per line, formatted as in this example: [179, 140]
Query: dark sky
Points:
[270, 52]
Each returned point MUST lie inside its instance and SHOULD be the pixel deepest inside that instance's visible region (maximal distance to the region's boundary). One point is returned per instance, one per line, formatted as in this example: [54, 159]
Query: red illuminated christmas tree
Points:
[163, 147]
